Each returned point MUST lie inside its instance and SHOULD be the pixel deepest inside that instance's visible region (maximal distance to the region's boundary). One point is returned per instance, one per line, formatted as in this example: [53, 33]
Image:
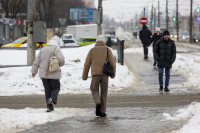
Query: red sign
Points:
[143, 20]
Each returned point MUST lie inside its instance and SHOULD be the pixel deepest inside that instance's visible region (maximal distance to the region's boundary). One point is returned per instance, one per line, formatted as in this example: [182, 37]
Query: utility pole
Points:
[167, 17]
[131, 26]
[152, 18]
[31, 47]
[191, 20]
[100, 9]
[177, 24]
[158, 13]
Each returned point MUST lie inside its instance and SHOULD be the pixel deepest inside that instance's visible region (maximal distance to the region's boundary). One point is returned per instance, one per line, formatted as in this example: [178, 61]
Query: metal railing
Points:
[120, 51]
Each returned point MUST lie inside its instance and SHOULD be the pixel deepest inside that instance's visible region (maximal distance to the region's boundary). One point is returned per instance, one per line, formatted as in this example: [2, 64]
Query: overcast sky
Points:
[124, 10]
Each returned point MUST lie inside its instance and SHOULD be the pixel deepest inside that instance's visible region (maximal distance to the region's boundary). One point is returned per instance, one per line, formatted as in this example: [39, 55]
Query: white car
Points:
[70, 43]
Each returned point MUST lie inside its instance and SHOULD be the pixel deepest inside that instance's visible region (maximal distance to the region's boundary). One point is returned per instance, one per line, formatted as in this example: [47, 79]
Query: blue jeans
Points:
[167, 76]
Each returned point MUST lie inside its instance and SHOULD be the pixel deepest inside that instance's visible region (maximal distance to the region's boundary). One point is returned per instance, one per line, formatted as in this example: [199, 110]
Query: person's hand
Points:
[147, 46]
[84, 78]
[33, 75]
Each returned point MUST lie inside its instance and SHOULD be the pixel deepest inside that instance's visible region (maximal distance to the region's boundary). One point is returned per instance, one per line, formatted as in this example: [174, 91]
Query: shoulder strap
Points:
[107, 55]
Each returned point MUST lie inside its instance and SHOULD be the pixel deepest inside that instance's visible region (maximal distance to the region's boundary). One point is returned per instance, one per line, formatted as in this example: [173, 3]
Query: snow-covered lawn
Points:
[189, 114]
[18, 80]
[13, 120]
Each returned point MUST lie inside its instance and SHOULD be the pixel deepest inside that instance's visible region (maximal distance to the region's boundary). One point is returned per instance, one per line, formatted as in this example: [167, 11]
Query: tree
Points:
[13, 7]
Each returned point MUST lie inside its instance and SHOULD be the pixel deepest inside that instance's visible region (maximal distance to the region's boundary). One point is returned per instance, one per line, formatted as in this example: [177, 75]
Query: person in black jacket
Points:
[156, 36]
[165, 55]
[145, 37]
[109, 42]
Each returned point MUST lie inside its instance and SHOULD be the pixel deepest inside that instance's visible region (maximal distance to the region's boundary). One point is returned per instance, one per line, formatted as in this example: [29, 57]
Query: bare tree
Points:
[12, 7]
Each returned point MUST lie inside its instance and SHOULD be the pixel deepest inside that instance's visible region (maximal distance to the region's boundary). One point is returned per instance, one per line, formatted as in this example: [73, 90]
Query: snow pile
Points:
[28, 117]
[190, 114]
[188, 66]
[18, 80]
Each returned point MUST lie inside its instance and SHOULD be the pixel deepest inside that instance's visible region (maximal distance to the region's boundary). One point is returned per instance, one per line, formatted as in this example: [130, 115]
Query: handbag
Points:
[107, 69]
[53, 63]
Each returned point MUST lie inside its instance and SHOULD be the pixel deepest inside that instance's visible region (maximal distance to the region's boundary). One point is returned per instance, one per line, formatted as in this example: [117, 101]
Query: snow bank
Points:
[190, 114]
[11, 119]
[18, 80]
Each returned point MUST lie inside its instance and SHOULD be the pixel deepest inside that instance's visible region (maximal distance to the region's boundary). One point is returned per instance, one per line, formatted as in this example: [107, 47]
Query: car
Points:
[113, 38]
[17, 43]
[83, 41]
[70, 42]
[21, 41]
[184, 36]
[67, 36]
[196, 37]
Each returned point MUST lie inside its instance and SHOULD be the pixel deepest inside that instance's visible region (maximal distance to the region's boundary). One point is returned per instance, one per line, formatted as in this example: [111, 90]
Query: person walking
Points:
[96, 59]
[145, 37]
[165, 55]
[156, 36]
[50, 80]
[109, 42]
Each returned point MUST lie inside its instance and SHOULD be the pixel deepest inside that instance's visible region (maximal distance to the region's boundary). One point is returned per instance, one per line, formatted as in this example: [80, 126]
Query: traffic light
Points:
[152, 22]
[174, 18]
[136, 27]
[198, 9]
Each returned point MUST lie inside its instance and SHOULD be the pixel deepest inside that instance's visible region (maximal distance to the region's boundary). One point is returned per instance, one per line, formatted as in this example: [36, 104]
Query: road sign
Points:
[197, 19]
[62, 21]
[143, 20]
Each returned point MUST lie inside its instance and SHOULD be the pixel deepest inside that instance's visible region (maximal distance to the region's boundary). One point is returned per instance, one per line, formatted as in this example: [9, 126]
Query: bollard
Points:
[120, 51]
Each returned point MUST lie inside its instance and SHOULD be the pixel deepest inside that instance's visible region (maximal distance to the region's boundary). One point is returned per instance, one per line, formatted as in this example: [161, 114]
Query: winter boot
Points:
[103, 115]
[166, 89]
[161, 88]
[98, 109]
[50, 107]
[154, 64]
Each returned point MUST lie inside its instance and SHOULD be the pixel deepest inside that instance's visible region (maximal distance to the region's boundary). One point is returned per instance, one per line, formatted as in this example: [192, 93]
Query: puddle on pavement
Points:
[127, 120]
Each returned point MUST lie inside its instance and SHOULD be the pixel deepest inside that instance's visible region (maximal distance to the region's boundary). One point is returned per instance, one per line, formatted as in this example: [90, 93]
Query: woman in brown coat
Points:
[96, 59]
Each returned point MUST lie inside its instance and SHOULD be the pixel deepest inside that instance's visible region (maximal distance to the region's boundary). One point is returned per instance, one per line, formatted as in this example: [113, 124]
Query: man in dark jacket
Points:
[145, 36]
[165, 55]
[156, 36]
[109, 42]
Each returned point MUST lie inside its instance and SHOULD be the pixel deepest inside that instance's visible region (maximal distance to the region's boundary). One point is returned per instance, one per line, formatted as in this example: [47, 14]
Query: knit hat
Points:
[166, 32]
[100, 38]
[157, 29]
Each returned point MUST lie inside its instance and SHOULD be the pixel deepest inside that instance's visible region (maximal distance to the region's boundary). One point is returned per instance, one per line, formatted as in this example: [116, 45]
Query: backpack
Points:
[53, 63]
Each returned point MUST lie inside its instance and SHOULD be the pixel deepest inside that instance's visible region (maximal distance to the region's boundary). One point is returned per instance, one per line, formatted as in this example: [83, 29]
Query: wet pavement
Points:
[127, 120]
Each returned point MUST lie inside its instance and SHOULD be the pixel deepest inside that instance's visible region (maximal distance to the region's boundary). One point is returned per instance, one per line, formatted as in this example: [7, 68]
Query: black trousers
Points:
[52, 88]
[145, 49]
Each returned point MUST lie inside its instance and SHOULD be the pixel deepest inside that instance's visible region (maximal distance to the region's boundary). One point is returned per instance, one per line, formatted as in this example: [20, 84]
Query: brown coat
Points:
[96, 58]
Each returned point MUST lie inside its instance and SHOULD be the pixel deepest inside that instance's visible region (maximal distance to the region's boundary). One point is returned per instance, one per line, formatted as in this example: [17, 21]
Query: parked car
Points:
[16, 43]
[196, 37]
[67, 36]
[21, 41]
[113, 38]
[83, 41]
[70, 42]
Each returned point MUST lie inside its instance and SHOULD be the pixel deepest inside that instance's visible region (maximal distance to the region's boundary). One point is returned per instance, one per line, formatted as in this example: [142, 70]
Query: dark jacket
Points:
[109, 42]
[145, 35]
[154, 39]
[165, 53]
